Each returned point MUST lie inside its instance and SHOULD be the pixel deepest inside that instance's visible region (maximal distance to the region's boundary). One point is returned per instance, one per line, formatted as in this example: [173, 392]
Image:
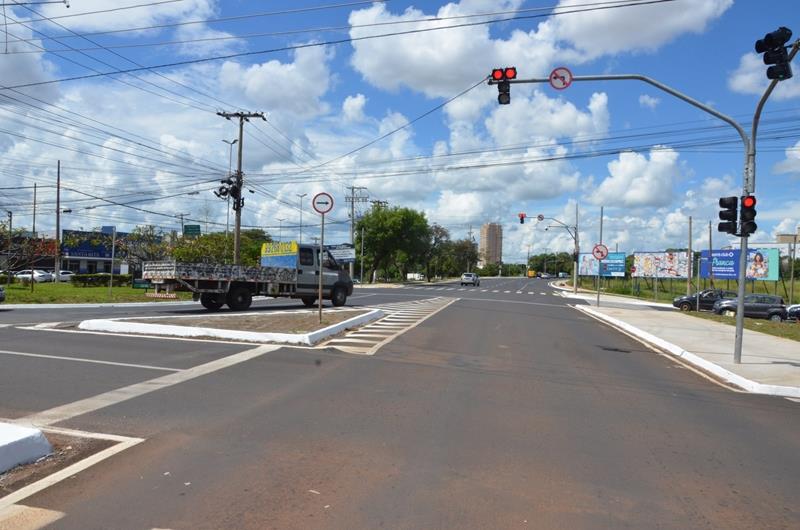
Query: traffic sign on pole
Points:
[600, 252]
[322, 203]
[540, 217]
[560, 78]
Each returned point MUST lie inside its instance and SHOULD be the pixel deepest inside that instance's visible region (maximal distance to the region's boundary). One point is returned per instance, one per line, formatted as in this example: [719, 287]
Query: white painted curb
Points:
[715, 369]
[308, 339]
[20, 445]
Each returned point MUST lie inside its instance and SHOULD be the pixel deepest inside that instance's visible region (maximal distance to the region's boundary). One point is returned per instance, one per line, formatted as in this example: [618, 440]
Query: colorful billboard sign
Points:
[613, 266]
[279, 254]
[660, 265]
[762, 264]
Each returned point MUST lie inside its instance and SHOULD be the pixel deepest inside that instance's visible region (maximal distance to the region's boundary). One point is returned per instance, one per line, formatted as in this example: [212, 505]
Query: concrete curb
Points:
[307, 339]
[694, 359]
[20, 445]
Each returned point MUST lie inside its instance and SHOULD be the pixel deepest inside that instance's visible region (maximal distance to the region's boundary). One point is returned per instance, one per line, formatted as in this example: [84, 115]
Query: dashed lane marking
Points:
[400, 318]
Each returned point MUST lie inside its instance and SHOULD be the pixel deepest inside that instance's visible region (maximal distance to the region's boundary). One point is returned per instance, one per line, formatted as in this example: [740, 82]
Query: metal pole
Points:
[791, 284]
[57, 260]
[361, 274]
[710, 260]
[33, 279]
[691, 262]
[237, 235]
[113, 248]
[599, 261]
[321, 246]
[577, 254]
[10, 237]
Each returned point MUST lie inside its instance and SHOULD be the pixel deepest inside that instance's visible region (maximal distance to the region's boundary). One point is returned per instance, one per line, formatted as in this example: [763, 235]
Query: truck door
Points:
[306, 271]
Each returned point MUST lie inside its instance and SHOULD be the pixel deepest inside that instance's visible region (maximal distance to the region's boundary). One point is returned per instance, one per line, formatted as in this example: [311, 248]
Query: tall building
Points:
[491, 245]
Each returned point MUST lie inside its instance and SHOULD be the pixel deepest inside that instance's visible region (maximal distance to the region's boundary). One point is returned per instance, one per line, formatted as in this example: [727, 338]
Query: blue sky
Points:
[650, 159]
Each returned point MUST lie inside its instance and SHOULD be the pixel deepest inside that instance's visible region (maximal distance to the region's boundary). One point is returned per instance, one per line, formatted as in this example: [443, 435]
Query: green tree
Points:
[395, 240]
[216, 248]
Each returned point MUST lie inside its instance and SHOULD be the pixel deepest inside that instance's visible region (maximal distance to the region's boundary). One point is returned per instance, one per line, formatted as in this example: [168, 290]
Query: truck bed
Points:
[160, 271]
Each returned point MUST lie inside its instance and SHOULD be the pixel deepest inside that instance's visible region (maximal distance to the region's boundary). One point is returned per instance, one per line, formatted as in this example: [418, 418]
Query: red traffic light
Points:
[748, 201]
[497, 74]
[510, 72]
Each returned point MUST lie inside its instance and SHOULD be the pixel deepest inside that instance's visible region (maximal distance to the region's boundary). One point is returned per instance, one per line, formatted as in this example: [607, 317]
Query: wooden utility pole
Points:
[353, 199]
[236, 189]
[57, 260]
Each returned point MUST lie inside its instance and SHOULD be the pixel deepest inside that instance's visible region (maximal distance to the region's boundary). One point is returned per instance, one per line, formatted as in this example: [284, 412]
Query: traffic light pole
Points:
[749, 160]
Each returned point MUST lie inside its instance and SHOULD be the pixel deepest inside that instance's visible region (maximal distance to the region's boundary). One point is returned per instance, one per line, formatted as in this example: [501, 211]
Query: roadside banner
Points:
[279, 254]
[661, 265]
[612, 266]
[762, 264]
[343, 253]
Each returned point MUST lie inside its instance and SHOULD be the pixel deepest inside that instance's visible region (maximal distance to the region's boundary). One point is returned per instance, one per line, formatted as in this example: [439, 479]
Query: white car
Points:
[470, 278]
[38, 276]
[64, 276]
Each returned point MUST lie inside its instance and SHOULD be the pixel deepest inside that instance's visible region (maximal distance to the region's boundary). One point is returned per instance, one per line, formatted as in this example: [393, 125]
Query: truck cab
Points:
[336, 282]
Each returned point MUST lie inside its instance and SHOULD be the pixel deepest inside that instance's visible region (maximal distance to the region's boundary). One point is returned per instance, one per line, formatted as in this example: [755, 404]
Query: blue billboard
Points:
[762, 264]
[611, 267]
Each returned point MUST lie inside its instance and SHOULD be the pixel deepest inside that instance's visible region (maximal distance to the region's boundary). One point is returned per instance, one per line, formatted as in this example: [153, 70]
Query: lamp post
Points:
[280, 229]
[300, 196]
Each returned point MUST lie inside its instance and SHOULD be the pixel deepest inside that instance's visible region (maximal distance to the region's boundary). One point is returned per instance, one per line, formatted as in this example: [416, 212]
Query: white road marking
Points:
[18, 517]
[506, 292]
[92, 361]
[519, 292]
[484, 290]
[495, 291]
[113, 397]
[531, 292]
[543, 293]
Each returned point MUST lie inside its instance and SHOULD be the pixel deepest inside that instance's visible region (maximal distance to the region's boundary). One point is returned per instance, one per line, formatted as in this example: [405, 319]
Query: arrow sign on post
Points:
[322, 203]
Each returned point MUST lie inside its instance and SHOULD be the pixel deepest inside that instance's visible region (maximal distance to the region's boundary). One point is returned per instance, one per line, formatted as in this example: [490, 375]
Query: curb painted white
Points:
[308, 339]
[20, 445]
[715, 369]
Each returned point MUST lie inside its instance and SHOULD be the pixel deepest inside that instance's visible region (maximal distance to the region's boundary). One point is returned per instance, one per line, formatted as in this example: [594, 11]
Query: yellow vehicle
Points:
[531, 273]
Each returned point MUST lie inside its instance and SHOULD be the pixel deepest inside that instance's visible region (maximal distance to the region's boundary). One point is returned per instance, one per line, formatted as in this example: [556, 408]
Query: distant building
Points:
[90, 252]
[491, 245]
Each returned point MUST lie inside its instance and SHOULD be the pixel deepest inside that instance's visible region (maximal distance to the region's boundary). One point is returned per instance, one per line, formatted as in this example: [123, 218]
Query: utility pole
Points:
[181, 215]
[353, 199]
[361, 274]
[33, 279]
[472, 240]
[300, 196]
[236, 189]
[10, 238]
[57, 260]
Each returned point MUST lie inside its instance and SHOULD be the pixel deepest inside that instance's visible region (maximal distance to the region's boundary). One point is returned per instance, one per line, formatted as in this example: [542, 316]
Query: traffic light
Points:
[773, 46]
[503, 76]
[521, 218]
[747, 215]
[729, 214]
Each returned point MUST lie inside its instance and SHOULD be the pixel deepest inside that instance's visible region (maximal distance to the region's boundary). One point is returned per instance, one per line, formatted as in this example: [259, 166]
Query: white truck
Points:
[292, 274]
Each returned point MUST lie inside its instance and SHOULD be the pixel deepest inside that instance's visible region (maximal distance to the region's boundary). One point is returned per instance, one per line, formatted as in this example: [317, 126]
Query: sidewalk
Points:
[770, 365]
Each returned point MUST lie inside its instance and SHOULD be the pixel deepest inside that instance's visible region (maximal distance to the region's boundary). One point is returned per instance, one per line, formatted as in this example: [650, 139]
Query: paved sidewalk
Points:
[770, 365]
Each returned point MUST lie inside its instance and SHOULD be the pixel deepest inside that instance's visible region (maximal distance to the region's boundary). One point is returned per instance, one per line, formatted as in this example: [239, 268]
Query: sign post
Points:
[322, 203]
[112, 231]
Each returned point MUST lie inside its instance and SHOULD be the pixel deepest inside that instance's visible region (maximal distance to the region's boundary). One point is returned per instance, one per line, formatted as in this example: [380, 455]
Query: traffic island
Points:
[21, 445]
[300, 327]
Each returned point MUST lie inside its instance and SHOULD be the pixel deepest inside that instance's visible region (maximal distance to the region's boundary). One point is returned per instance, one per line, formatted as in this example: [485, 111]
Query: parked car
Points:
[38, 276]
[755, 306]
[470, 278]
[708, 298]
[793, 312]
[2, 294]
[63, 276]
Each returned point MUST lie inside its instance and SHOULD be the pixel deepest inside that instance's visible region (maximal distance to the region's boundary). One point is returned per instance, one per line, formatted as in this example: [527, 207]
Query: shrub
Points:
[96, 280]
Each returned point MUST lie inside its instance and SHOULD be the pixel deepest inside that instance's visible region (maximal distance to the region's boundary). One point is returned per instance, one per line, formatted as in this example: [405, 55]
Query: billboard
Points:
[344, 253]
[82, 244]
[660, 265]
[279, 254]
[762, 264]
[611, 267]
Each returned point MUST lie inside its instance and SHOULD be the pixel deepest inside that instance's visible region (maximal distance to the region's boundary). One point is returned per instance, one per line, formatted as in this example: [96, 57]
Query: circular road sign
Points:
[560, 78]
[540, 217]
[322, 203]
[600, 251]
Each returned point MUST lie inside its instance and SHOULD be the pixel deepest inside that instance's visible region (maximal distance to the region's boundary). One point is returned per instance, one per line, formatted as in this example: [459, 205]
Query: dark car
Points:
[2, 294]
[793, 312]
[708, 298]
[755, 306]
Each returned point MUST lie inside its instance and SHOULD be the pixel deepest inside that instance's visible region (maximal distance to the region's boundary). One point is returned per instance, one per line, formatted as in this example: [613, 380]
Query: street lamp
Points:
[300, 196]
[280, 229]
[573, 232]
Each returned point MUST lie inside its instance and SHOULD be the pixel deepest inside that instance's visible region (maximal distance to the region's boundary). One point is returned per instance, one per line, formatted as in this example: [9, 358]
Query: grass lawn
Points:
[66, 293]
[787, 329]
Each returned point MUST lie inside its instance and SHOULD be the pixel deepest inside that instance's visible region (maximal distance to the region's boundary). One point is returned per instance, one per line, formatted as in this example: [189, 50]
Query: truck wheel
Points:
[212, 301]
[339, 296]
[239, 298]
[309, 302]
[685, 306]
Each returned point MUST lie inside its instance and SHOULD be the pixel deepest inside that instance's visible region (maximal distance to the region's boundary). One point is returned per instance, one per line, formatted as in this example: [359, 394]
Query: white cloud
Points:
[353, 108]
[789, 225]
[648, 102]
[635, 181]
[751, 78]
[791, 164]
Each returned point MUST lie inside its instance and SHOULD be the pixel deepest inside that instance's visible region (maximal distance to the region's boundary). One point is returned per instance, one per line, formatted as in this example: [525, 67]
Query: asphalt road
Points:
[507, 409]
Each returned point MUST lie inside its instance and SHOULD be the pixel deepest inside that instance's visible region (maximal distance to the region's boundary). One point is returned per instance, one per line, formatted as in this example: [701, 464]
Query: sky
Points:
[391, 97]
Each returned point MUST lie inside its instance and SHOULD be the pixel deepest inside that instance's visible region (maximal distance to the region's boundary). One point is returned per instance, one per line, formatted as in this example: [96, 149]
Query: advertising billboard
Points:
[611, 267]
[343, 253]
[660, 265]
[762, 264]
